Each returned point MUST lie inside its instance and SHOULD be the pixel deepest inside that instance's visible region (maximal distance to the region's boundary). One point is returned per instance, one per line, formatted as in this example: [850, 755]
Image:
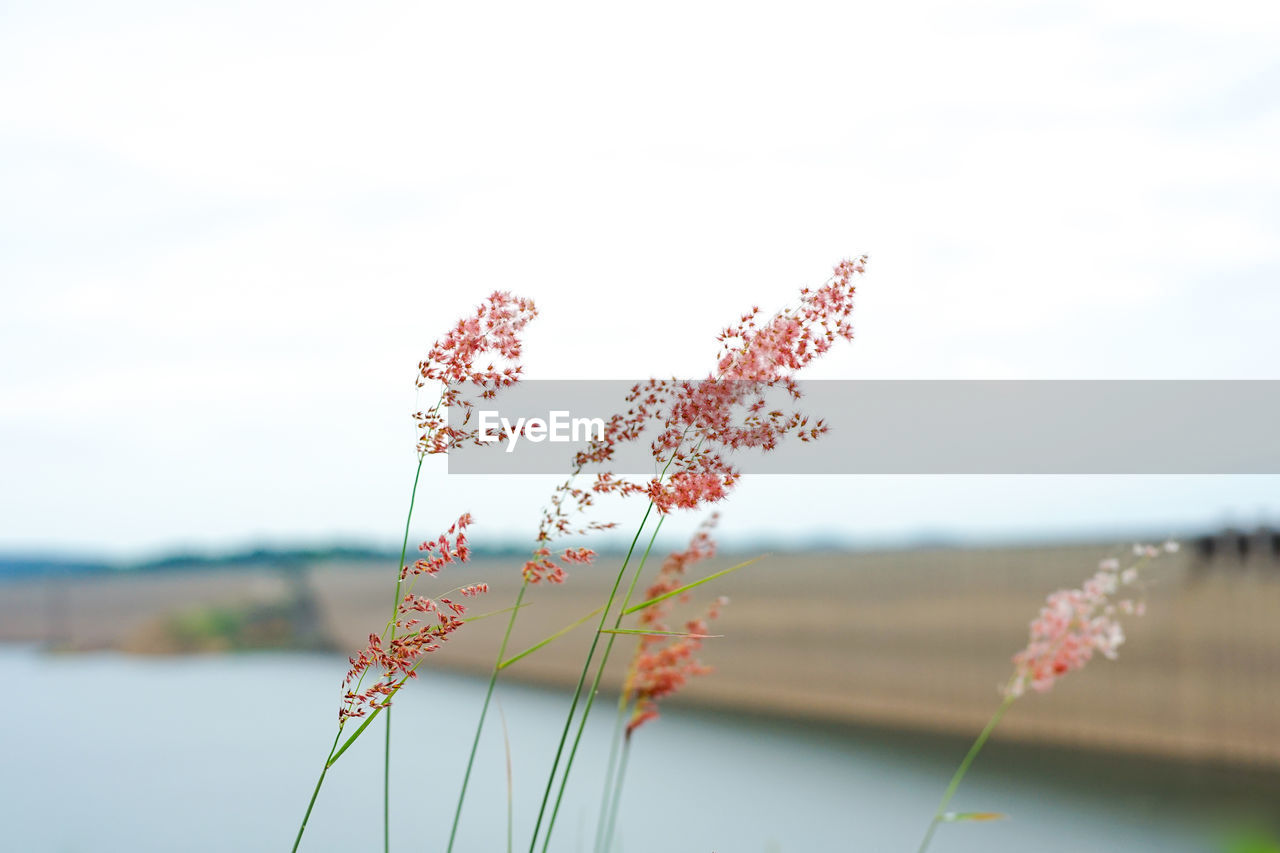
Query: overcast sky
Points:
[228, 232]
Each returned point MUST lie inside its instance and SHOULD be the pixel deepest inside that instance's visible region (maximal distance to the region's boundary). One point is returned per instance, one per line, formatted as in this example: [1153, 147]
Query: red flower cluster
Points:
[794, 336]
[544, 566]
[449, 547]
[410, 637]
[493, 330]
[701, 423]
[663, 665]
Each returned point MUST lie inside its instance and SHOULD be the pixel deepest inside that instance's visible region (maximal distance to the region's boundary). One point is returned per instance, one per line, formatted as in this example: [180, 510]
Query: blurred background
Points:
[229, 232]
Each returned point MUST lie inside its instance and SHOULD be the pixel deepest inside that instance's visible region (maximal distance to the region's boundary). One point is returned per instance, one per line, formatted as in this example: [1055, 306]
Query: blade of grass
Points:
[333, 759]
[940, 815]
[636, 608]
[316, 793]
[956, 817]
[480, 616]
[547, 641]
[648, 633]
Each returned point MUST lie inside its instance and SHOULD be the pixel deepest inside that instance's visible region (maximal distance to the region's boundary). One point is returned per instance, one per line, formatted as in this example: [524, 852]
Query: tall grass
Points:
[692, 428]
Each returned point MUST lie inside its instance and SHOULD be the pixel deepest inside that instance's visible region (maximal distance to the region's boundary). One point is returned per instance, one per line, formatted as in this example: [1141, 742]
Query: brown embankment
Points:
[911, 639]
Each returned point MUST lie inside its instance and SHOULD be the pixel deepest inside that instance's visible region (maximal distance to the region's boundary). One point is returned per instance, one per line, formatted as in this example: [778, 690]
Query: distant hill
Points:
[28, 566]
[15, 566]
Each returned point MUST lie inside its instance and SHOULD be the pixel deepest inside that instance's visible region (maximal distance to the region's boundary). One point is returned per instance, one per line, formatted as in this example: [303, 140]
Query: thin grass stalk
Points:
[962, 770]
[613, 776]
[334, 751]
[617, 796]
[611, 771]
[595, 684]
[611, 768]
[506, 747]
[609, 646]
[395, 611]
[484, 710]
[311, 804]
[386, 787]
[586, 667]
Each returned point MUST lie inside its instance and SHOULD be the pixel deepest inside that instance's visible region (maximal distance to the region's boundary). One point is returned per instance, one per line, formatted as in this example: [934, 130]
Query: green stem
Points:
[484, 710]
[395, 613]
[595, 684]
[333, 759]
[617, 796]
[962, 770]
[506, 748]
[334, 751]
[386, 788]
[586, 667]
[611, 768]
[316, 793]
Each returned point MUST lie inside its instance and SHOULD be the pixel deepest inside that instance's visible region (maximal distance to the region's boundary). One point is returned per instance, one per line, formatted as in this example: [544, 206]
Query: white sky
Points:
[228, 231]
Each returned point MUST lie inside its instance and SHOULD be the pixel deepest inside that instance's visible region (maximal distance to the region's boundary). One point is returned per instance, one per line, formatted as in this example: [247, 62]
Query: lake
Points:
[105, 752]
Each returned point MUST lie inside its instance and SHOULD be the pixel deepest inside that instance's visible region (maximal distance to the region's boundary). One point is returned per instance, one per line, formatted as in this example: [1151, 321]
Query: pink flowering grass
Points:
[665, 659]
[481, 351]
[1073, 626]
[698, 424]
[701, 423]
[1076, 624]
[420, 625]
[694, 428]
[662, 664]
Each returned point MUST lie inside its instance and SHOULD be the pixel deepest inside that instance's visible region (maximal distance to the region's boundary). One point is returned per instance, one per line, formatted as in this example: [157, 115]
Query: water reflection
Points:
[112, 753]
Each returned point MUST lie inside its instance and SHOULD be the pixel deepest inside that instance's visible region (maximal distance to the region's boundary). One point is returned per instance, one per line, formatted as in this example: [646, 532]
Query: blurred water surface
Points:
[105, 752]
